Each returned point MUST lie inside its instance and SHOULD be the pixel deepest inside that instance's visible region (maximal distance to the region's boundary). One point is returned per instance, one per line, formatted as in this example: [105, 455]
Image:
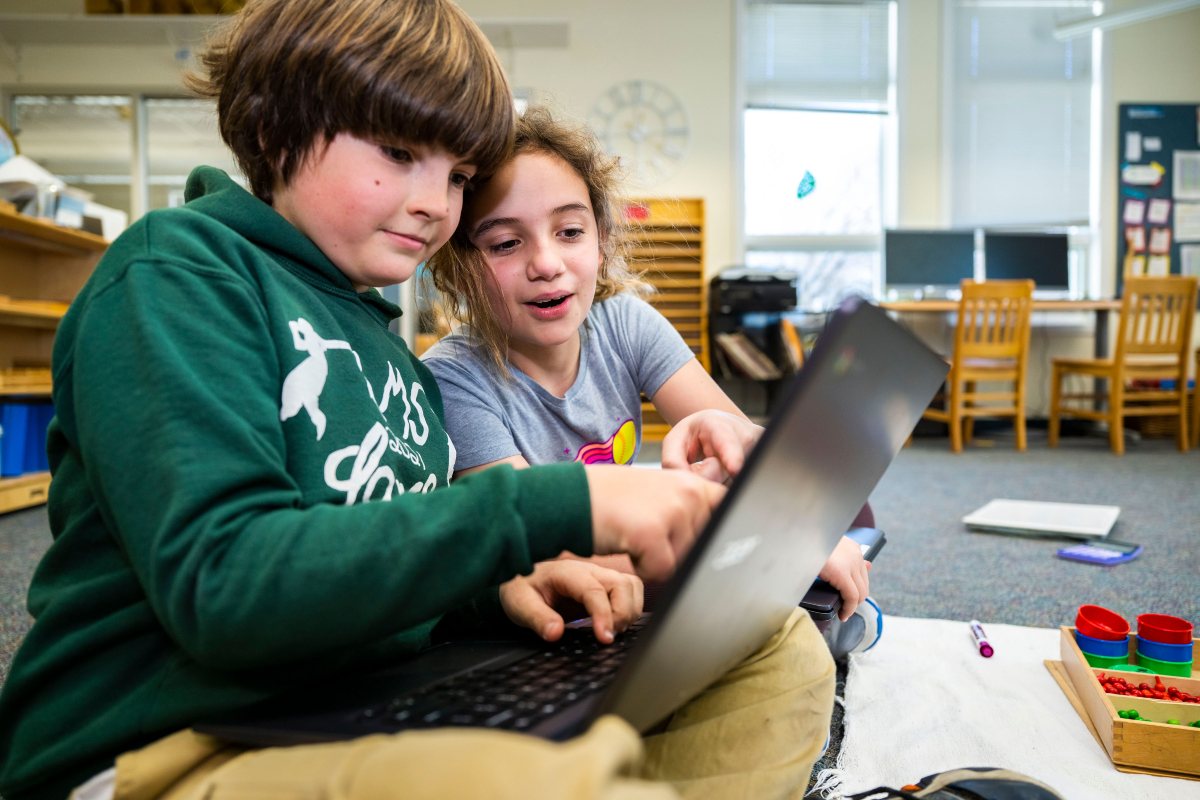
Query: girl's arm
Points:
[517, 462]
[689, 390]
[709, 433]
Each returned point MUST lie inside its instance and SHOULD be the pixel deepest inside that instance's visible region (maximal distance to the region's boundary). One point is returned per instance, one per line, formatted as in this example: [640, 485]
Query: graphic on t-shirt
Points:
[302, 386]
[617, 450]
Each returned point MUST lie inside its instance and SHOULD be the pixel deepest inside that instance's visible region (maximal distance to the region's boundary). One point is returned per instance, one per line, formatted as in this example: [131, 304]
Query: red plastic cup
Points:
[1100, 623]
[1164, 628]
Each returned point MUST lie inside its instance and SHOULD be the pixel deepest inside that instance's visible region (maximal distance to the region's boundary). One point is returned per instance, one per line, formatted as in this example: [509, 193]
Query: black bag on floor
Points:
[968, 783]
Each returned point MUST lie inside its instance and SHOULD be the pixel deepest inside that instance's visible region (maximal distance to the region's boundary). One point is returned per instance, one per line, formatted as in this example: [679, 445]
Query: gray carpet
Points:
[24, 536]
[932, 567]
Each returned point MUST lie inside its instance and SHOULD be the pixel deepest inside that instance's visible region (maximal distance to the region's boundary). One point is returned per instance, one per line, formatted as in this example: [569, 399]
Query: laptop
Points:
[843, 419]
[1046, 519]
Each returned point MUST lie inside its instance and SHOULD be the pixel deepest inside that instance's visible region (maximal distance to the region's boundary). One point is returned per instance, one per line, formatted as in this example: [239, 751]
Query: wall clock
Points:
[645, 125]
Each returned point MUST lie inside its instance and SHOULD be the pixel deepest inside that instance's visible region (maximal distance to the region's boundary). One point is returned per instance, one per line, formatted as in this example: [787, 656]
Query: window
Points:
[1020, 122]
[1020, 114]
[785, 153]
[816, 143]
[94, 143]
[181, 134]
[83, 139]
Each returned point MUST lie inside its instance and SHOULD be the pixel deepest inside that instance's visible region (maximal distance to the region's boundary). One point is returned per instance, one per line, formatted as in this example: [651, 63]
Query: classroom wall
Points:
[919, 181]
[690, 48]
[685, 46]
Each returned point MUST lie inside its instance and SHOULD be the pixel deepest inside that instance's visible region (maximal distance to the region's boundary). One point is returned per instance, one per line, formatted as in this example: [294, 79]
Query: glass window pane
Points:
[86, 140]
[182, 134]
[824, 277]
[799, 53]
[812, 172]
[1021, 111]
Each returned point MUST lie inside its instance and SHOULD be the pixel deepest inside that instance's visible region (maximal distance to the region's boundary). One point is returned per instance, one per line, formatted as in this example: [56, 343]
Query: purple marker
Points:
[980, 637]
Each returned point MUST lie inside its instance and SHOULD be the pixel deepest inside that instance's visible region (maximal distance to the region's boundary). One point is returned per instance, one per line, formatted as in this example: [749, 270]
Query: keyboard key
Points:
[515, 696]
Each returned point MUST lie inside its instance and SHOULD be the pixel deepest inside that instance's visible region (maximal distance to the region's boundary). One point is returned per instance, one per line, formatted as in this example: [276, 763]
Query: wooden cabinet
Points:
[42, 266]
[667, 249]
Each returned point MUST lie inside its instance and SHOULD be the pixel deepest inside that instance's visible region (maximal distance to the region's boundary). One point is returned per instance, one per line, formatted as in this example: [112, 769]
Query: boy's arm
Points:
[516, 462]
[177, 430]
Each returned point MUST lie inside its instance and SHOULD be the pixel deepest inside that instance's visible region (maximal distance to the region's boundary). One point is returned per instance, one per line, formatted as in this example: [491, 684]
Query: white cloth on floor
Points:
[924, 700]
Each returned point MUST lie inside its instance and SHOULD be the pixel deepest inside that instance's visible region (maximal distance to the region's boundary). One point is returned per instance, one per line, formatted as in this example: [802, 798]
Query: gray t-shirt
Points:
[628, 348]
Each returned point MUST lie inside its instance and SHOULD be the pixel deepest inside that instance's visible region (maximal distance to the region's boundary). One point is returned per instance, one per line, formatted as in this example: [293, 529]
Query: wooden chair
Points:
[991, 345]
[1196, 405]
[793, 347]
[1147, 375]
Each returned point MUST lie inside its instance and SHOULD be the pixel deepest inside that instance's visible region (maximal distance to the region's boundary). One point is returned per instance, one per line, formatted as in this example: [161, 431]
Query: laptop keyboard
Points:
[515, 696]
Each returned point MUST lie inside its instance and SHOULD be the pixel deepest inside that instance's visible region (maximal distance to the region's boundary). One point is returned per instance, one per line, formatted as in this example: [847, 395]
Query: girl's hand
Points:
[710, 443]
[846, 570]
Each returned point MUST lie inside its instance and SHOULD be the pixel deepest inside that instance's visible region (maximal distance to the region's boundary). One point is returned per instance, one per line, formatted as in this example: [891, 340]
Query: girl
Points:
[559, 347]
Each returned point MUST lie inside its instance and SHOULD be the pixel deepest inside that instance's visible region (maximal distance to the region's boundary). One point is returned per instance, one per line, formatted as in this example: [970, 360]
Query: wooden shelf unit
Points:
[24, 491]
[42, 267]
[667, 248]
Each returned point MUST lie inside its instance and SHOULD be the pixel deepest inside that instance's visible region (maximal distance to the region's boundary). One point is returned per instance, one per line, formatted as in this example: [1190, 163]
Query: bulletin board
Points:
[1158, 189]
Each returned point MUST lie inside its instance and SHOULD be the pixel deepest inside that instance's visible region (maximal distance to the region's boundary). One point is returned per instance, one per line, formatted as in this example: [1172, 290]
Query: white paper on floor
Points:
[923, 700]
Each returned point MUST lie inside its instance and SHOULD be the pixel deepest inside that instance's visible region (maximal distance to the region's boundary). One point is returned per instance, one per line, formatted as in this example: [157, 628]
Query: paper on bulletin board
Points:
[1187, 176]
[1189, 260]
[1133, 146]
[1143, 174]
[1159, 266]
[1135, 238]
[1158, 212]
[1135, 212]
[1160, 241]
[1187, 222]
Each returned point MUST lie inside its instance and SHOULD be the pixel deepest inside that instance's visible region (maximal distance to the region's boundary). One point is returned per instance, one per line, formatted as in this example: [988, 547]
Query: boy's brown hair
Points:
[289, 75]
[461, 273]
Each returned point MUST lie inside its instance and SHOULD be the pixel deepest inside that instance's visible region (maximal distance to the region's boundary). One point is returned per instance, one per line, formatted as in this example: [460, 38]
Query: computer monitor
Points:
[927, 263]
[1040, 256]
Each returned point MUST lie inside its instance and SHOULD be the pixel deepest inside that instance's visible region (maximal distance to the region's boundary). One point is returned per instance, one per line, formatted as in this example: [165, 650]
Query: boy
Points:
[250, 471]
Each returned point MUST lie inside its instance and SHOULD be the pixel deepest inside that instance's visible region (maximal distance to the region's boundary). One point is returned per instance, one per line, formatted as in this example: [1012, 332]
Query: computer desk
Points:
[1101, 308]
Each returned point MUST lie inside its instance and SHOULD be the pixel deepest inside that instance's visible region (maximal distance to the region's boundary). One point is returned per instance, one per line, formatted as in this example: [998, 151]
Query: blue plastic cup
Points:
[1162, 651]
[1106, 648]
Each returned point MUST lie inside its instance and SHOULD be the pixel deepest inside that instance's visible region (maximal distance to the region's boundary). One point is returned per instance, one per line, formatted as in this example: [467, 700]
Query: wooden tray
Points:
[1155, 748]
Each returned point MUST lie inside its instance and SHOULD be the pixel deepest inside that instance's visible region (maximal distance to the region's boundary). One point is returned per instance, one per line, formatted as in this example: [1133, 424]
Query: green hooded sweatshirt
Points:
[249, 493]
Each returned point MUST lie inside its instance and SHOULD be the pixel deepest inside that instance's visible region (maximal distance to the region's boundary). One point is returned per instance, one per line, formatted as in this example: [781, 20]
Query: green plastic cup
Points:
[1105, 662]
[1180, 669]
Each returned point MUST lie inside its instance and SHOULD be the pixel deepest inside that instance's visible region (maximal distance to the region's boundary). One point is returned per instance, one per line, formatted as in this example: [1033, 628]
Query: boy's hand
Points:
[618, 561]
[653, 515]
[710, 443]
[612, 599]
[846, 570]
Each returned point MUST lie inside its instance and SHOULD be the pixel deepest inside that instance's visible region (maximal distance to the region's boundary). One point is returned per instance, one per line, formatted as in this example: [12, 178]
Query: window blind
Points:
[799, 54]
[1019, 114]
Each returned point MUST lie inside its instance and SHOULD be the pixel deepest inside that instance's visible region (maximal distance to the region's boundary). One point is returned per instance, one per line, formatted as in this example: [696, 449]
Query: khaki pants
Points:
[753, 734]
